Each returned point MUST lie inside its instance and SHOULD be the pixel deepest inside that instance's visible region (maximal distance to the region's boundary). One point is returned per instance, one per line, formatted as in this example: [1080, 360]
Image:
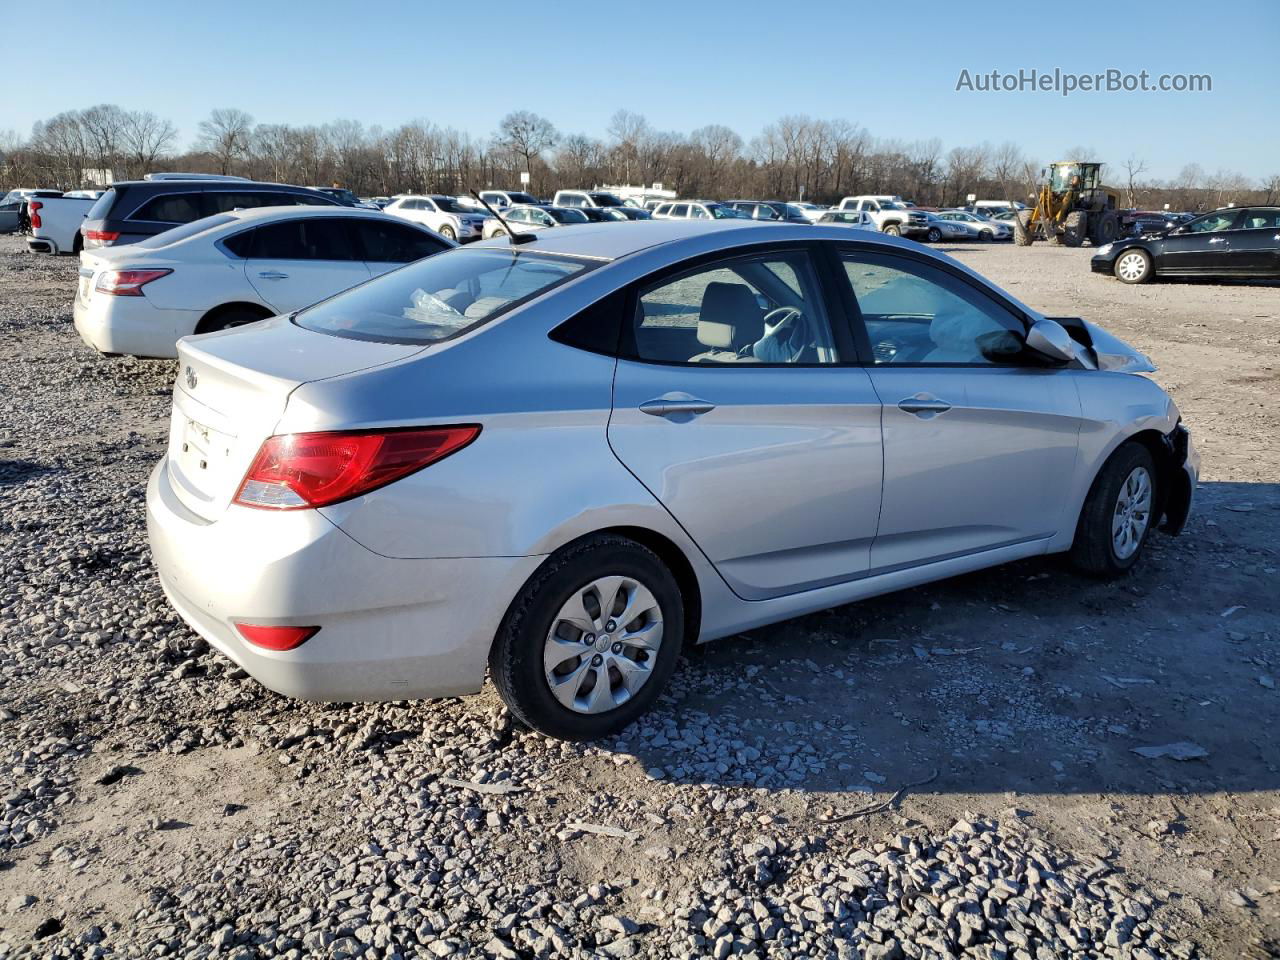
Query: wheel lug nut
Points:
[610, 627]
[597, 660]
[588, 638]
[617, 648]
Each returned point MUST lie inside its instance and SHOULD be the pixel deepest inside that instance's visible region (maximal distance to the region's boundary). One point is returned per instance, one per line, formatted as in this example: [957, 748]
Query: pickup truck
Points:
[890, 215]
[55, 223]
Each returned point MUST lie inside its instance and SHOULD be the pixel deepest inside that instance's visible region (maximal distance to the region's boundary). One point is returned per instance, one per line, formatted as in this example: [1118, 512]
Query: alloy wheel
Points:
[1131, 266]
[1132, 514]
[603, 644]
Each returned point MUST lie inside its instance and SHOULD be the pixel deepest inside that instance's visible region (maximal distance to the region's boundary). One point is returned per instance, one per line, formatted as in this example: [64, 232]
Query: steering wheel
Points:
[786, 313]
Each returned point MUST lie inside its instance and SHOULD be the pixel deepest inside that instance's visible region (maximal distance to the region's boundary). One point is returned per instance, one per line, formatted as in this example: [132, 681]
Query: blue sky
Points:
[890, 67]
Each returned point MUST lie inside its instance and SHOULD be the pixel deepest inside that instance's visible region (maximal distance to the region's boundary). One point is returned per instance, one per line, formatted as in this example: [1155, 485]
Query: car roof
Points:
[294, 213]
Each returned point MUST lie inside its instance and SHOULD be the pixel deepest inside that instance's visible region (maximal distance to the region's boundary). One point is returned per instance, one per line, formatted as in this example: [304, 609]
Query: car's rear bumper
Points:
[132, 325]
[389, 629]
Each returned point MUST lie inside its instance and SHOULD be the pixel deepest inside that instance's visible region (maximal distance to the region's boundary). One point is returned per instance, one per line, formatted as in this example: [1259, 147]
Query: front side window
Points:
[698, 212]
[1214, 222]
[680, 210]
[442, 296]
[917, 314]
[751, 310]
[299, 239]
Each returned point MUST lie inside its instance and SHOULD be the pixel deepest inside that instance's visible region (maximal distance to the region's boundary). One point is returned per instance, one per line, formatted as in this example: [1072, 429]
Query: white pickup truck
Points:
[55, 222]
[890, 215]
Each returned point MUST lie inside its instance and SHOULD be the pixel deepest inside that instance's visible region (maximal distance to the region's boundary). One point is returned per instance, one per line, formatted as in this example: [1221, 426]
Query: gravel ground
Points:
[949, 771]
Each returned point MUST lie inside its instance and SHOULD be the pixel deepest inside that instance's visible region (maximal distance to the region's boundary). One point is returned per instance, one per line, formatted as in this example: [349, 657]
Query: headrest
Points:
[730, 316]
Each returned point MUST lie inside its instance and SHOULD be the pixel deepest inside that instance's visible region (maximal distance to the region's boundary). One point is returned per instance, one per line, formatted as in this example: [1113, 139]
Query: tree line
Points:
[795, 157]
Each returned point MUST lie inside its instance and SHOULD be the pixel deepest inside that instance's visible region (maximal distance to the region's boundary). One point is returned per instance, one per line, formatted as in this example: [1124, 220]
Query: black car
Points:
[1232, 242]
[778, 210]
[137, 209]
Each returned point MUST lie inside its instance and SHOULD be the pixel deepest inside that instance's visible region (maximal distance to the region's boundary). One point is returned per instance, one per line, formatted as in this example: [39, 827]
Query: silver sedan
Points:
[565, 458]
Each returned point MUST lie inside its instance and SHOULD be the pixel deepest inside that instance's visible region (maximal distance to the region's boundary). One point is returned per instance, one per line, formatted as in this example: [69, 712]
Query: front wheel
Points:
[1133, 266]
[590, 641]
[1118, 514]
[448, 232]
[934, 235]
[986, 236]
[893, 230]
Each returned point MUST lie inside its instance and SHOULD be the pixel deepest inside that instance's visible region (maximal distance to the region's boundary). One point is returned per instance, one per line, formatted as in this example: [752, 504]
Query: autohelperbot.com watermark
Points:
[1065, 83]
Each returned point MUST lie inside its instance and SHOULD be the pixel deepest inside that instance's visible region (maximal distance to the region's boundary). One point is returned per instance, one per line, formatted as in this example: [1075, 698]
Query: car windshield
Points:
[892, 205]
[450, 205]
[166, 237]
[522, 198]
[721, 212]
[440, 297]
[569, 215]
[605, 200]
[794, 209]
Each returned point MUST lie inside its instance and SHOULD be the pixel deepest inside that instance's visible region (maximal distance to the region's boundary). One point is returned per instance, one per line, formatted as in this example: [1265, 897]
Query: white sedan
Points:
[447, 216]
[234, 268]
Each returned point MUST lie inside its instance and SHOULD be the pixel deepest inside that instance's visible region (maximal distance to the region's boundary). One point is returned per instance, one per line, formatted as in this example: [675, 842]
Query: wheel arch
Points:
[211, 316]
[1173, 488]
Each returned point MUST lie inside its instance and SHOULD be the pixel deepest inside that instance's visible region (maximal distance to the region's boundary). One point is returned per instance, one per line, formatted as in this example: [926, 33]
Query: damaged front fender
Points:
[1114, 355]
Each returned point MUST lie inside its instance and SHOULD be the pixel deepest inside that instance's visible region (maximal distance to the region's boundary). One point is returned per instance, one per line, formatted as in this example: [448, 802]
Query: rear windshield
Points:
[568, 215]
[449, 205]
[166, 237]
[440, 297]
[100, 209]
[522, 198]
[606, 200]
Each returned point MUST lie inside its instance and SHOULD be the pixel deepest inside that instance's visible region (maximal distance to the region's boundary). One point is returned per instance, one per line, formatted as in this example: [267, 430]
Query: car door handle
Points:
[273, 275]
[671, 406]
[923, 406]
[1218, 240]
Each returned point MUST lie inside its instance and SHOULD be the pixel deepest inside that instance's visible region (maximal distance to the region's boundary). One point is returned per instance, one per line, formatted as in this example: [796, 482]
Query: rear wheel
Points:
[892, 230]
[1118, 514]
[1106, 229]
[986, 236]
[1132, 266]
[590, 641]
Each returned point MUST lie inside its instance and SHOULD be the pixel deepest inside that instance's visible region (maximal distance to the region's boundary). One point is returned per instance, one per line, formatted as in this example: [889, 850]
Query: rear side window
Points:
[221, 201]
[440, 297]
[380, 242]
[102, 207]
[302, 240]
[172, 208]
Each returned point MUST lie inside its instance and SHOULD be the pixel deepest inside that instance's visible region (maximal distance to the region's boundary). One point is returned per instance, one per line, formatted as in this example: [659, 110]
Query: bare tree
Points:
[145, 137]
[225, 136]
[526, 135]
[1134, 167]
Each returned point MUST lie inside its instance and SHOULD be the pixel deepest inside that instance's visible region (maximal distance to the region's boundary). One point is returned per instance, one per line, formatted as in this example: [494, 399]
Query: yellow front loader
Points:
[1072, 207]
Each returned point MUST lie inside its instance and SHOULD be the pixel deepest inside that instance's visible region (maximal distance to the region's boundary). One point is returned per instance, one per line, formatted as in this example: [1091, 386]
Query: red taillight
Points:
[33, 211]
[102, 236]
[299, 470]
[127, 283]
[276, 638]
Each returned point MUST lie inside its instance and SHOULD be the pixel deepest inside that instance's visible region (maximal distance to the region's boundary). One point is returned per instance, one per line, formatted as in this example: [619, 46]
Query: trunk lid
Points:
[231, 391]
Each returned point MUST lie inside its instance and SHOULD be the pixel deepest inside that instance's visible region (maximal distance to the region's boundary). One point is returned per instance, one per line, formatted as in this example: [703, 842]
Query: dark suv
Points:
[137, 209]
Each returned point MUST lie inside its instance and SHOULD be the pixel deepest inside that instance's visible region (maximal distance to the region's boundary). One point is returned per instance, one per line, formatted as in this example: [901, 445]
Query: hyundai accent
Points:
[563, 459]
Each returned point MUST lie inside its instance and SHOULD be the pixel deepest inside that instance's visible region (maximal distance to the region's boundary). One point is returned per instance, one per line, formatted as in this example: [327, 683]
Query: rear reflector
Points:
[296, 471]
[102, 236]
[276, 638]
[127, 283]
[33, 212]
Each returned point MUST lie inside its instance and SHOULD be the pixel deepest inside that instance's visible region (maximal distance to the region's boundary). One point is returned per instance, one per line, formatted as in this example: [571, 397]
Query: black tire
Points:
[1094, 550]
[1105, 229]
[448, 233]
[986, 236]
[231, 317]
[77, 244]
[1022, 229]
[516, 659]
[1074, 228]
[934, 235]
[1124, 269]
[892, 230]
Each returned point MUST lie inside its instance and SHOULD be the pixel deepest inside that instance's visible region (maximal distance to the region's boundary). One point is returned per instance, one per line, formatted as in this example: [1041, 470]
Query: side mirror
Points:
[1051, 340]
